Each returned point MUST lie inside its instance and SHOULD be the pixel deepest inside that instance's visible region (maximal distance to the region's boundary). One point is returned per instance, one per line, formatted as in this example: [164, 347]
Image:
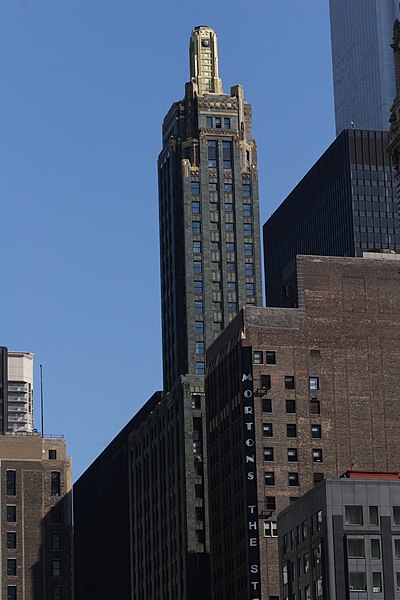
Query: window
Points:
[232, 306]
[199, 327]
[315, 407]
[229, 226]
[270, 357]
[291, 430]
[218, 122]
[195, 207]
[270, 529]
[52, 454]
[231, 286]
[315, 431]
[289, 382]
[198, 307]
[249, 289]
[199, 347]
[319, 520]
[354, 515]
[376, 548]
[11, 567]
[11, 540]
[11, 513]
[377, 582]
[228, 207]
[56, 593]
[55, 483]
[317, 454]
[209, 122]
[248, 249]
[197, 266]
[247, 210]
[266, 405]
[230, 266]
[227, 154]
[319, 588]
[246, 190]
[396, 515]
[11, 483]
[200, 368]
[292, 455]
[268, 454]
[227, 187]
[397, 582]
[230, 246]
[212, 153]
[373, 515]
[56, 514]
[249, 269]
[227, 123]
[265, 382]
[317, 477]
[196, 401]
[290, 406]
[313, 383]
[317, 550]
[196, 226]
[257, 357]
[247, 230]
[196, 247]
[11, 592]
[397, 548]
[267, 430]
[195, 187]
[270, 503]
[55, 542]
[198, 287]
[269, 478]
[307, 593]
[355, 548]
[306, 563]
[56, 567]
[293, 479]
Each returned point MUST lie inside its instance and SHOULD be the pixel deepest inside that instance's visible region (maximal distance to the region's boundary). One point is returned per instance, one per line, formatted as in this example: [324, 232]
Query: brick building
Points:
[36, 517]
[294, 396]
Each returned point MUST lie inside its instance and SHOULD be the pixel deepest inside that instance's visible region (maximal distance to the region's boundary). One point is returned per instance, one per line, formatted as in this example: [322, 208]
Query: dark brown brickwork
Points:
[344, 340]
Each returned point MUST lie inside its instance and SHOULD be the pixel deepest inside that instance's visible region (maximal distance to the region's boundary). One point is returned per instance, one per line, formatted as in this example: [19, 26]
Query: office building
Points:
[394, 132]
[36, 517]
[295, 395]
[362, 61]
[16, 391]
[342, 540]
[344, 206]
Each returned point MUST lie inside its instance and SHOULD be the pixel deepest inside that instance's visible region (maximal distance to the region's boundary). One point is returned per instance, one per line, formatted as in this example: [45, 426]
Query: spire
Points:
[203, 51]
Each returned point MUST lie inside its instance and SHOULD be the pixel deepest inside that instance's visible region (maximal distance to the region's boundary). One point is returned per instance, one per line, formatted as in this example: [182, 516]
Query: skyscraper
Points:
[209, 216]
[16, 391]
[362, 60]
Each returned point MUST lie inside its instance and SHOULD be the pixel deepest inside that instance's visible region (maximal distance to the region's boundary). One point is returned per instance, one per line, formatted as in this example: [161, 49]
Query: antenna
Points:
[41, 398]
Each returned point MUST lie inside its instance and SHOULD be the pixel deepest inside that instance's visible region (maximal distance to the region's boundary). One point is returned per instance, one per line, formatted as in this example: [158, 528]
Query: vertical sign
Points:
[253, 537]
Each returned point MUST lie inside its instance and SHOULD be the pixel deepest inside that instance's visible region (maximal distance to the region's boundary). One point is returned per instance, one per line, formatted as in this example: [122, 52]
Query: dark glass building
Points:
[345, 205]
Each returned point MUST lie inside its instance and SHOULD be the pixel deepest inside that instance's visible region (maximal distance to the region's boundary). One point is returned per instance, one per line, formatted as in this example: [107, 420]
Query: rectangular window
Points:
[267, 430]
[249, 269]
[11, 592]
[248, 249]
[266, 405]
[230, 246]
[249, 289]
[230, 266]
[229, 227]
[195, 207]
[270, 503]
[56, 514]
[198, 287]
[11, 513]
[268, 454]
[319, 520]
[247, 230]
[209, 122]
[397, 582]
[313, 383]
[196, 226]
[317, 454]
[218, 123]
[270, 529]
[11, 483]
[196, 247]
[269, 478]
[227, 187]
[375, 548]
[227, 123]
[232, 306]
[228, 207]
[290, 406]
[319, 591]
[396, 515]
[246, 187]
[257, 357]
[56, 593]
[316, 431]
[199, 327]
[247, 210]
[317, 477]
[11, 567]
[195, 187]
[315, 407]
[231, 285]
[270, 357]
[11, 540]
[52, 454]
[355, 548]
[56, 567]
[397, 548]
[197, 266]
[265, 382]
[289, 382]
[373, 515]
[354, 515]
[377, 582]
[293, 479]
[212, 153]
[198, 307]
[227, 154]
[292, 455]
[291, 430]
[200, 368]
[55, 485]
[199, 347]
[55, 542]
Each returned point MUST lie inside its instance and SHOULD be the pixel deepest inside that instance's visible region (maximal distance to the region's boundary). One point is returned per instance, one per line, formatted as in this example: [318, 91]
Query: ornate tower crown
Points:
[203, 52]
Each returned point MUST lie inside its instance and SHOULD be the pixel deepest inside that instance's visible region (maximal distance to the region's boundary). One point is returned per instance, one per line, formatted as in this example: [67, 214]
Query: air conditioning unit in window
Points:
[376, 589]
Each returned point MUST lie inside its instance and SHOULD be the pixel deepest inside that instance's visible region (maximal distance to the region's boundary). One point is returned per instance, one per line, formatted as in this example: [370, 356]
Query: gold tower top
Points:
[203, 51]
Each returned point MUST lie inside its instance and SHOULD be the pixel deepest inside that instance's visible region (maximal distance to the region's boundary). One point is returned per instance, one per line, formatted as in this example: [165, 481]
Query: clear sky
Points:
[85, 85]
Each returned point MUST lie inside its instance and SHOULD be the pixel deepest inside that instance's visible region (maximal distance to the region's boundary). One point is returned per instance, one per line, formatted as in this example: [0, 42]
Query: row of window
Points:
[315, 407]
[198, 264]
[302, 532]
[218, 122]
[269, 478]
[55, 482]
[228, 188]
[230, 246]
[354, 515]
[247, 227]
[291, 430]
[56, 593]
[292, 454]
[55, 539]
[228, 207]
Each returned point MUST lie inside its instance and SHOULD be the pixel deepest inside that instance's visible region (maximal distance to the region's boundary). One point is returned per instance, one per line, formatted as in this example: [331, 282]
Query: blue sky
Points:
[85, 85]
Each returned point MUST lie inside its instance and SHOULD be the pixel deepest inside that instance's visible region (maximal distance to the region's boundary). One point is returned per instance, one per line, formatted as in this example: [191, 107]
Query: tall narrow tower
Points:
[209, 216]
